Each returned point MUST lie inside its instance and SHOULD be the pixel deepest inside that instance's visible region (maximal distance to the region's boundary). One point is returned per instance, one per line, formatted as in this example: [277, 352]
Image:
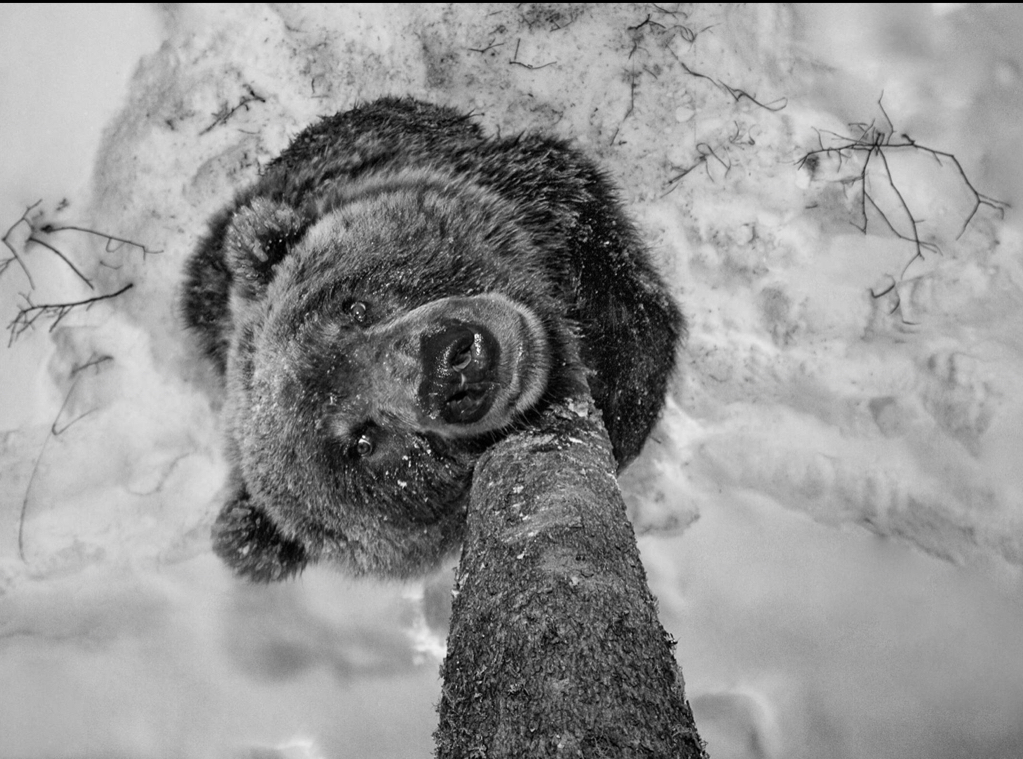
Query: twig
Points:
[486, 49]
[15, 257]
[111, 239]
[515, 62]
[54, 432]
[28, 315]
[549, 14]
[221, 116]
[687, 34]
[736, 93]
[894, 289]
[737, 137]
[690, 71]
[632, 105]
[91, 362]
[32, 477]
[112, 243]
[673, 182]
[739, 94]
[678, 10]
[63, 258]
[686, 172]
[643, 23]
[876, 141]
[707, 151]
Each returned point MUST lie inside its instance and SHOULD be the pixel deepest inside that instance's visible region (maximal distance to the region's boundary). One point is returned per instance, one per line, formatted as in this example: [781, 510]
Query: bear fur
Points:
[393, 294]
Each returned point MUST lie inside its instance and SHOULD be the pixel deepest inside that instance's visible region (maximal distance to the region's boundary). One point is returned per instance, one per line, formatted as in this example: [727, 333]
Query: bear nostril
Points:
[462, 359]
[464, 348]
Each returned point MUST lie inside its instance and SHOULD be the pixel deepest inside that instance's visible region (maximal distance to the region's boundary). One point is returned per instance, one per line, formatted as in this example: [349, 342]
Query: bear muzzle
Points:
[485, 360]
[457, 367]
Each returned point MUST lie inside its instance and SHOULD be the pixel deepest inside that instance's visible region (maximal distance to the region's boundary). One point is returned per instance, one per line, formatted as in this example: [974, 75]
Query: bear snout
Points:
[458, 367]
[484, 361]
[460, 377]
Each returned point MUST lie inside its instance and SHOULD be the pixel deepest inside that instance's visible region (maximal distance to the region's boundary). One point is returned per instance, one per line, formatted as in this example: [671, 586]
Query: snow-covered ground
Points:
[831, 512]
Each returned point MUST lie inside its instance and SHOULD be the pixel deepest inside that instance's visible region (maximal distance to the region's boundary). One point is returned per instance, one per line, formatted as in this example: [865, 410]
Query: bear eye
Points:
[358, 310]
[364, 446]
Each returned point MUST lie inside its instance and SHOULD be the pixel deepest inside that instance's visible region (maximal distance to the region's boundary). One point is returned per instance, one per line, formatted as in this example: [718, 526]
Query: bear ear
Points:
[257, 239]
[249, 542]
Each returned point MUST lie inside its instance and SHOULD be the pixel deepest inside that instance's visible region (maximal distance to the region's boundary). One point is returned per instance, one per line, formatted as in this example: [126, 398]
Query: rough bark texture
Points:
[555, 648]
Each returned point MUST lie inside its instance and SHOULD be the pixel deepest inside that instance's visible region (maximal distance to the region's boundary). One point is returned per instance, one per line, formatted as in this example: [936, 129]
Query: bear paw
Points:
[250, 543]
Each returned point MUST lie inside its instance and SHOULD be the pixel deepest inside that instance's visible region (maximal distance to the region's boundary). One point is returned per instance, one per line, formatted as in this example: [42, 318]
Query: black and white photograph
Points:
[395, 381]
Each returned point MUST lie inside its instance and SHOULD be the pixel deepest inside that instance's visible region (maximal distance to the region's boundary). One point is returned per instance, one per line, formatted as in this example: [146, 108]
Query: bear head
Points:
[382, 337]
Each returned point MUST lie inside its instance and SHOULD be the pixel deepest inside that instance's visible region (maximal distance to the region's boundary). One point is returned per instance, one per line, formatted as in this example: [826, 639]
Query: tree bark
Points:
[555, 648]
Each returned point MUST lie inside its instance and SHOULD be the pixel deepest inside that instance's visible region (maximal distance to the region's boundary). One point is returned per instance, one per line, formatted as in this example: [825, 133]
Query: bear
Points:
[394, 294]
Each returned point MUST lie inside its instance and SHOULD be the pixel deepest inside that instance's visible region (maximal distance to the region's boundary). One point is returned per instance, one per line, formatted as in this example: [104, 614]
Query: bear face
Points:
[394, 295]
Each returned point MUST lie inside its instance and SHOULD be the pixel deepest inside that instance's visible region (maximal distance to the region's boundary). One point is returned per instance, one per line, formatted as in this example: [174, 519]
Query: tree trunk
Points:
[555, 648]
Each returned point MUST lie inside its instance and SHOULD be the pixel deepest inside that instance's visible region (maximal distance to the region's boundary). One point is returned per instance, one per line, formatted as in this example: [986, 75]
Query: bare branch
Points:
[15, 257]
[34, 230]
[63, 258]
[28, 315]
[874, 140]
[94, 360]
[111, 239]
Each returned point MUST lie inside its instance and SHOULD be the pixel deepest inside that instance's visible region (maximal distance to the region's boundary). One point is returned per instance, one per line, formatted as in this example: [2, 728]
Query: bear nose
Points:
[460, 372]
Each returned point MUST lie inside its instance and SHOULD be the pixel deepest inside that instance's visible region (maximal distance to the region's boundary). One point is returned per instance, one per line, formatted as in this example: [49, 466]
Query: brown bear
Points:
[395, 293]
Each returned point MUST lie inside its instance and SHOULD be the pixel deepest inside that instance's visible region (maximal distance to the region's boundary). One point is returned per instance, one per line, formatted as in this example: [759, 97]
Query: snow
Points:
[831, 512]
